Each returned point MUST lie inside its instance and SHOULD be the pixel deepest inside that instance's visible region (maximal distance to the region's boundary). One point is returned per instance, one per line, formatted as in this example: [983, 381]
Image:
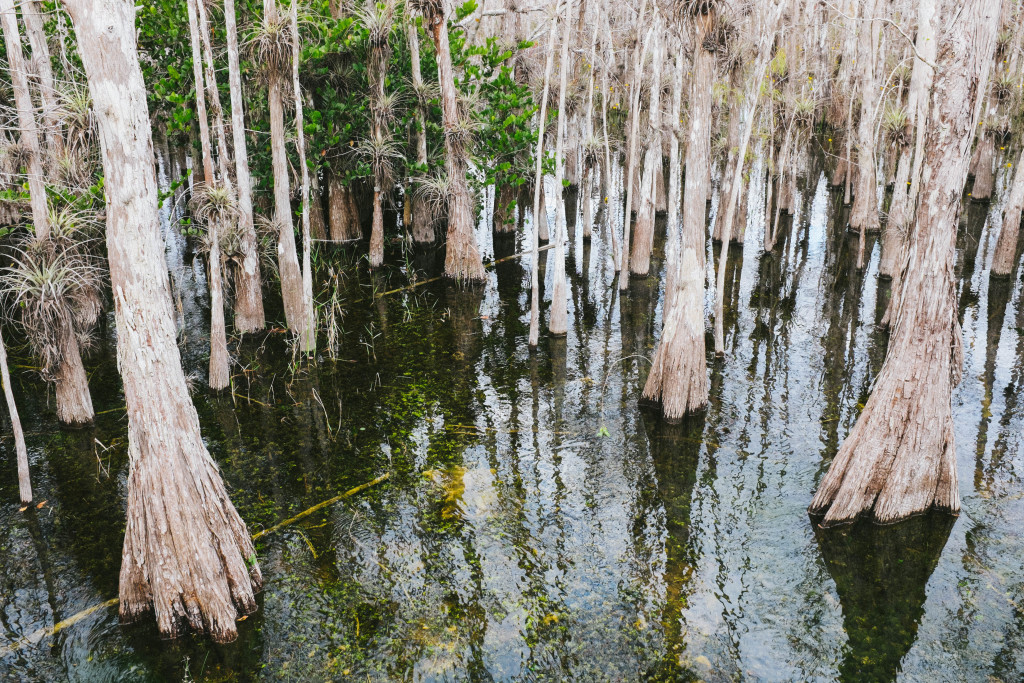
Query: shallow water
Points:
[538, 523]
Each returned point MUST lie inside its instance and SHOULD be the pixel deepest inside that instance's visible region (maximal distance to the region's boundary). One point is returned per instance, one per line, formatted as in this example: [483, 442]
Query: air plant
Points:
[895, 122]
[433, 192]
[382, 154]
[74, 110]
[214, 203]
[53, 287]
[803, 110]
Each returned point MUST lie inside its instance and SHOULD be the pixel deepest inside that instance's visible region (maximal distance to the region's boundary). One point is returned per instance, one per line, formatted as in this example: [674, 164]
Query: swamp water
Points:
[539, 525]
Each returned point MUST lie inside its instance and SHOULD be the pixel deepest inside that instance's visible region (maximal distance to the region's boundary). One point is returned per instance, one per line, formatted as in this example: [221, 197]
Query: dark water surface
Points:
[539, 524]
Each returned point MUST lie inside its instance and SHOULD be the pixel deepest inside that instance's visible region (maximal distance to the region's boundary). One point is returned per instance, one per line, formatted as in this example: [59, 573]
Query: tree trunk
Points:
[187, 554]
[462, 256]
[36, 33]
[1006, 246]
[307, 331]
[74, 404]
[899, 458]
[26, 119]
[732, 144]
[24, 478]
[984, 177]
[750, 97]
[864, 214]
[422, 225]
[220, 374]
[218, 370]
[344, 224]
[287, 258]
[643, 230]
[558, 320]
[908, 176]
[249, 315]
[678, 378]
[639, 55]
[538, 192]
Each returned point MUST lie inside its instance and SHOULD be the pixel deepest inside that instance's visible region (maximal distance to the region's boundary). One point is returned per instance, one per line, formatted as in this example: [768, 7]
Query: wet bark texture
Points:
[899, 458]
[187, 554]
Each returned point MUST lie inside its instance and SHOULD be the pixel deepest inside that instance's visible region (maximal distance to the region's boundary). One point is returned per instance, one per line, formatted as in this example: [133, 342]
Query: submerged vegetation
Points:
[446, 433]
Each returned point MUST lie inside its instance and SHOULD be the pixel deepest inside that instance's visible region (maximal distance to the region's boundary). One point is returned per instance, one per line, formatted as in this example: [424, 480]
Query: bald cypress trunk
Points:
[462, 256]
[307, 331]
[558, 322]
[36, 34]
[26, 119]
[678, 378]
[187, 554]
[864, 214]
[422, 224]
[643, 237]
[342, 219]
[219, 375]
[899, 458]
[287, 257]
[538, 193]
[249, 315]
[1006, 246]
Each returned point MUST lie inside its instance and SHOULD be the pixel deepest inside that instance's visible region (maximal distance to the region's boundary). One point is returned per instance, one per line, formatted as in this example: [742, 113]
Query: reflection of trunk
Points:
[187, 554]
[462, 257]
[24, 478]
[881, 574]
[678, 377]
[1006, 246]
[249, 315]
[74, 404]
[675, 457]
[899, 458]
[26, 119]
